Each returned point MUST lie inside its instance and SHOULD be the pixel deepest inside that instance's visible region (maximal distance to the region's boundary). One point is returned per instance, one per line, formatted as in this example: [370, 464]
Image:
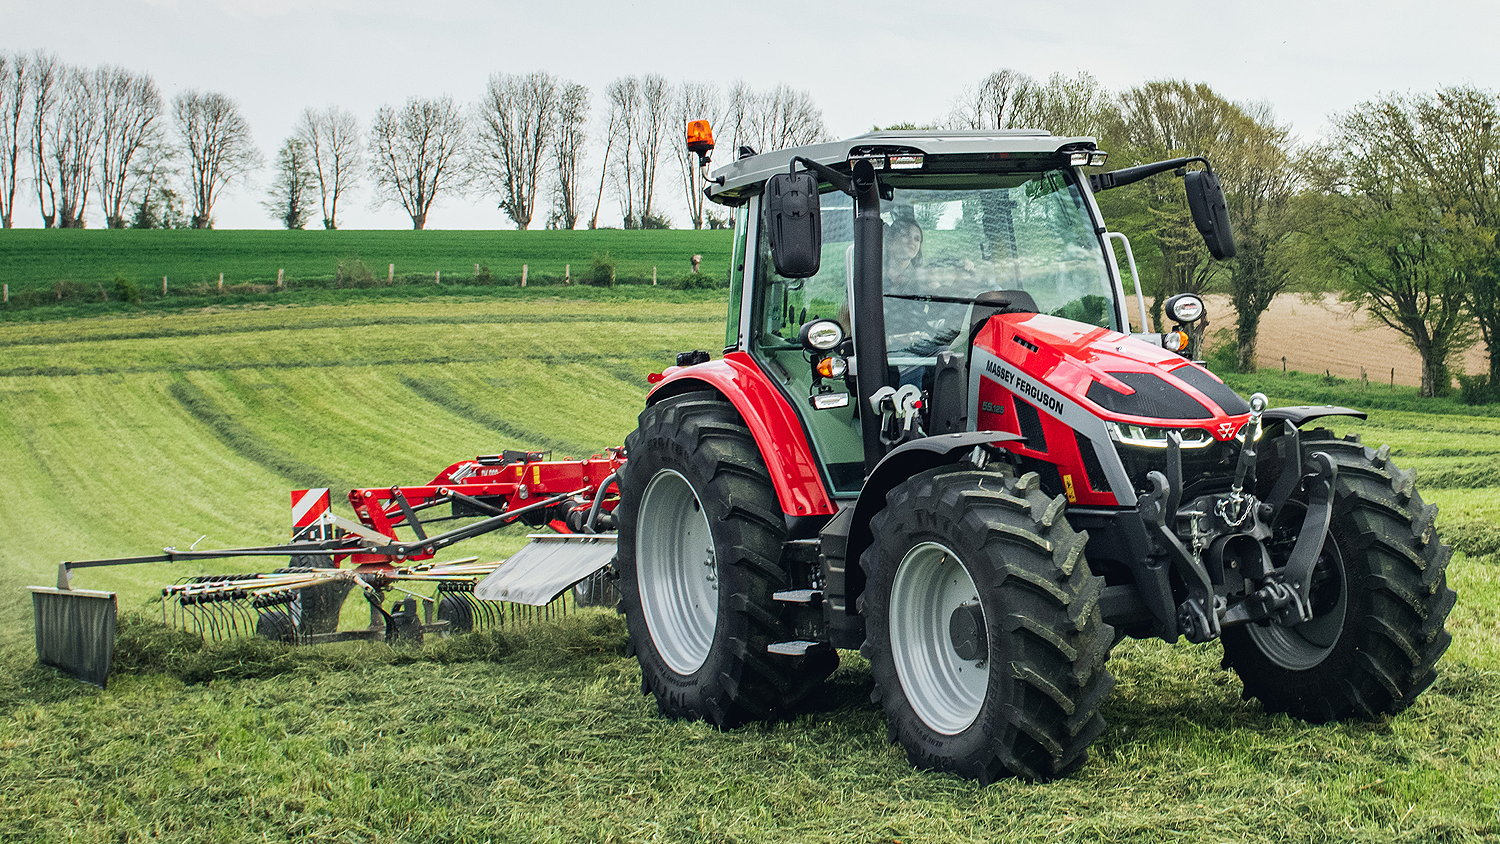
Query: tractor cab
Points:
[896, 276]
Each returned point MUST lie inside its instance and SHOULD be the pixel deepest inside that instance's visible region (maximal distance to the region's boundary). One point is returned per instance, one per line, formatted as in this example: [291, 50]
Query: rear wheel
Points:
[1379, 598]
[984, 633]
[700, 555]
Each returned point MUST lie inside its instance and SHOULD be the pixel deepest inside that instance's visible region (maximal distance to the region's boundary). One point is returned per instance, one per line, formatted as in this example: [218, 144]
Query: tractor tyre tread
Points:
[1398, 599]
[701, 436]
[1041, 713]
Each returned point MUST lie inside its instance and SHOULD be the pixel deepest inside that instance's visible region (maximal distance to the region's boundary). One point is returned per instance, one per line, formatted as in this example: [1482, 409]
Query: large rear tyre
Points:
[983, 627]
[1379, 598]
[700, 555]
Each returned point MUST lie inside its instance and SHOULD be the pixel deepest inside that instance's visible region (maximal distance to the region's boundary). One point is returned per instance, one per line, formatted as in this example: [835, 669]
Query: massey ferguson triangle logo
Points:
[1226, 430]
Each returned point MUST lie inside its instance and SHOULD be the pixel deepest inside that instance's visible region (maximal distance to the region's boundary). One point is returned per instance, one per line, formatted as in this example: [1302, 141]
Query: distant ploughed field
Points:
[1326, 335]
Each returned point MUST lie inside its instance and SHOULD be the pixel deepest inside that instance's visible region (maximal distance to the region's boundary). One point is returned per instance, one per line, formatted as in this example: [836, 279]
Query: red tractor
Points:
[932, 437]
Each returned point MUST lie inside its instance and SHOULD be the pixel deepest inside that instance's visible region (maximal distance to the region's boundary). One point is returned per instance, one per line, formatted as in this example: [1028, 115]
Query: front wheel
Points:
[700, 557]
[984, 632]
[1379, 598]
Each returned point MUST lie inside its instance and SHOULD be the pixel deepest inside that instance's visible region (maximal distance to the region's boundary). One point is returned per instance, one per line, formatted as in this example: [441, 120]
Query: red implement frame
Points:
[496, 484]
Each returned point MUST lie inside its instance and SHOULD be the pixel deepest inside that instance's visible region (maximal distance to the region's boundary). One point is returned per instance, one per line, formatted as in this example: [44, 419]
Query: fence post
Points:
[653, 276]
[163, 285]
[567, 273]
[390, 274]
[280, 278]
[5, 293]
[221, 282]
[437, 276]
[476, 271]
[1393, 376]
[525, 271]
[1283, 363]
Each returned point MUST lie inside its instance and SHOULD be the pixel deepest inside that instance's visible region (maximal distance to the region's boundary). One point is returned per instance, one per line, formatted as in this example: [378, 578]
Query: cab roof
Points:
[745, 176]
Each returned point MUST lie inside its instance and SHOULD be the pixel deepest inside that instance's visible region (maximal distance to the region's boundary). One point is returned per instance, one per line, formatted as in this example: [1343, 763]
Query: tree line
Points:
[105, 135]
[1397, 210]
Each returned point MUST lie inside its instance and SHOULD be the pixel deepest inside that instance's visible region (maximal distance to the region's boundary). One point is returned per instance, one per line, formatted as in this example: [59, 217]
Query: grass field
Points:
[122, 433]
[34, 261]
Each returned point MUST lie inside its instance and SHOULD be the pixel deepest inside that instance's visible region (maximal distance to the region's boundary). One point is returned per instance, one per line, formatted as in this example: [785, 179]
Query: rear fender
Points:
[777, 431]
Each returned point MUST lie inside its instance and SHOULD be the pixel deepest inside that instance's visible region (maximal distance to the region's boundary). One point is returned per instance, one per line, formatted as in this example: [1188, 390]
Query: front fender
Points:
[772, 421]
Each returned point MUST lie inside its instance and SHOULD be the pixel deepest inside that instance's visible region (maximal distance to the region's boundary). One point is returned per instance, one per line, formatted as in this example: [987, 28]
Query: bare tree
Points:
[776, 119]
[413, 151]
[15, 85]
[332, 138]
[46, 73]
[567, 153]
[611, 131]
[695, 101]
[292, 186]
[219, 148]
[72, 139]
[129, 106]
[624, 95]
[1009, 99]
[515, 132]
[640, 110]
[656, 114]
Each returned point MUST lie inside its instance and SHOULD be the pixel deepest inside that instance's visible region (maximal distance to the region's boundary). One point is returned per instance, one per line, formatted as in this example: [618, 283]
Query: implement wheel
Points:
[1379, 598]
[700, 550]
[983, 627]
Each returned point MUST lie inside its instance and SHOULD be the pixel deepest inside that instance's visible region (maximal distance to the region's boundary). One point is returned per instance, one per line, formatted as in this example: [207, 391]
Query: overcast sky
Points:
[866, 63]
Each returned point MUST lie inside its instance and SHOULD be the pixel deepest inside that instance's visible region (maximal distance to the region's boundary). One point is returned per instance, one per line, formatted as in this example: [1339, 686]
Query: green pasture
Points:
[38, 260]
[121, 433]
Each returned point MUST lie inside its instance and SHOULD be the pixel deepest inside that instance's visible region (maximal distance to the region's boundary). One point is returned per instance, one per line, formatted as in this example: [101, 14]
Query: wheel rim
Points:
[677, 572]
[945, 690]
[1303, 646]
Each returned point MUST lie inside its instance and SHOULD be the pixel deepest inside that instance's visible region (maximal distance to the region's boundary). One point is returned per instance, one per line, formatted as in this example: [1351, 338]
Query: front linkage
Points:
[1216, 541]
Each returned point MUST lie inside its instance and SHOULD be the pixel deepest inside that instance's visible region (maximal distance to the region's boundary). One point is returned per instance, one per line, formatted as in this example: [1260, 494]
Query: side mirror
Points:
[793, 224]
[1210, 214]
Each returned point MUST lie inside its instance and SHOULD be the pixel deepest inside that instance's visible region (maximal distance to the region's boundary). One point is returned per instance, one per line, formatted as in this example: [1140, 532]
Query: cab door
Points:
[778, 308]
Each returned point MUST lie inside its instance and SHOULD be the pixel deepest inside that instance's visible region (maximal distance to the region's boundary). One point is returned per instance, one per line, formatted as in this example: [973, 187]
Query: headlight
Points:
[1184, 308]
[1145, 436]
[821, 335]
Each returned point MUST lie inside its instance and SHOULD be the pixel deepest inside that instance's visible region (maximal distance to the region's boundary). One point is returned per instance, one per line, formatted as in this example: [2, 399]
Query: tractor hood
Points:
[1113, 375]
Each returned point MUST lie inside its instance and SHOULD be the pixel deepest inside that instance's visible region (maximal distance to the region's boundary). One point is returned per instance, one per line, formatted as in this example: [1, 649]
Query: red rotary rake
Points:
[386, 553]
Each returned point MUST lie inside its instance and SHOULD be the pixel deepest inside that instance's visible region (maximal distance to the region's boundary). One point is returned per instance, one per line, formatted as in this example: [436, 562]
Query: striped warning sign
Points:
[309, 507]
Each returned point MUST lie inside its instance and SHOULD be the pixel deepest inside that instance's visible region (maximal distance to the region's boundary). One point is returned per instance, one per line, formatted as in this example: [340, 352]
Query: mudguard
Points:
[777, 431]
[1297, 415]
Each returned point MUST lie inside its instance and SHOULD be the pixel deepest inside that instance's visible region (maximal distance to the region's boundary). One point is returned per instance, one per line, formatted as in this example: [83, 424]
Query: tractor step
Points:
[797, 647]
[799, 596]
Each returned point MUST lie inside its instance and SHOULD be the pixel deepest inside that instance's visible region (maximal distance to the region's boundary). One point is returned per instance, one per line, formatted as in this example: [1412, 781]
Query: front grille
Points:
[1204, 470]
[1091, 465]
[1031, 426]
[1154, 397]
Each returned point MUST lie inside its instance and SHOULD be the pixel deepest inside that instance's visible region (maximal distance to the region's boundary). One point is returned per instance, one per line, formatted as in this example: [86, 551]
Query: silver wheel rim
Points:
[677, 572]
[1304, 646]
[945, 690]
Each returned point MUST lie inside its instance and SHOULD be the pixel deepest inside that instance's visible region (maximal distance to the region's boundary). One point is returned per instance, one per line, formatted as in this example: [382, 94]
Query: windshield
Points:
[965, 235]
